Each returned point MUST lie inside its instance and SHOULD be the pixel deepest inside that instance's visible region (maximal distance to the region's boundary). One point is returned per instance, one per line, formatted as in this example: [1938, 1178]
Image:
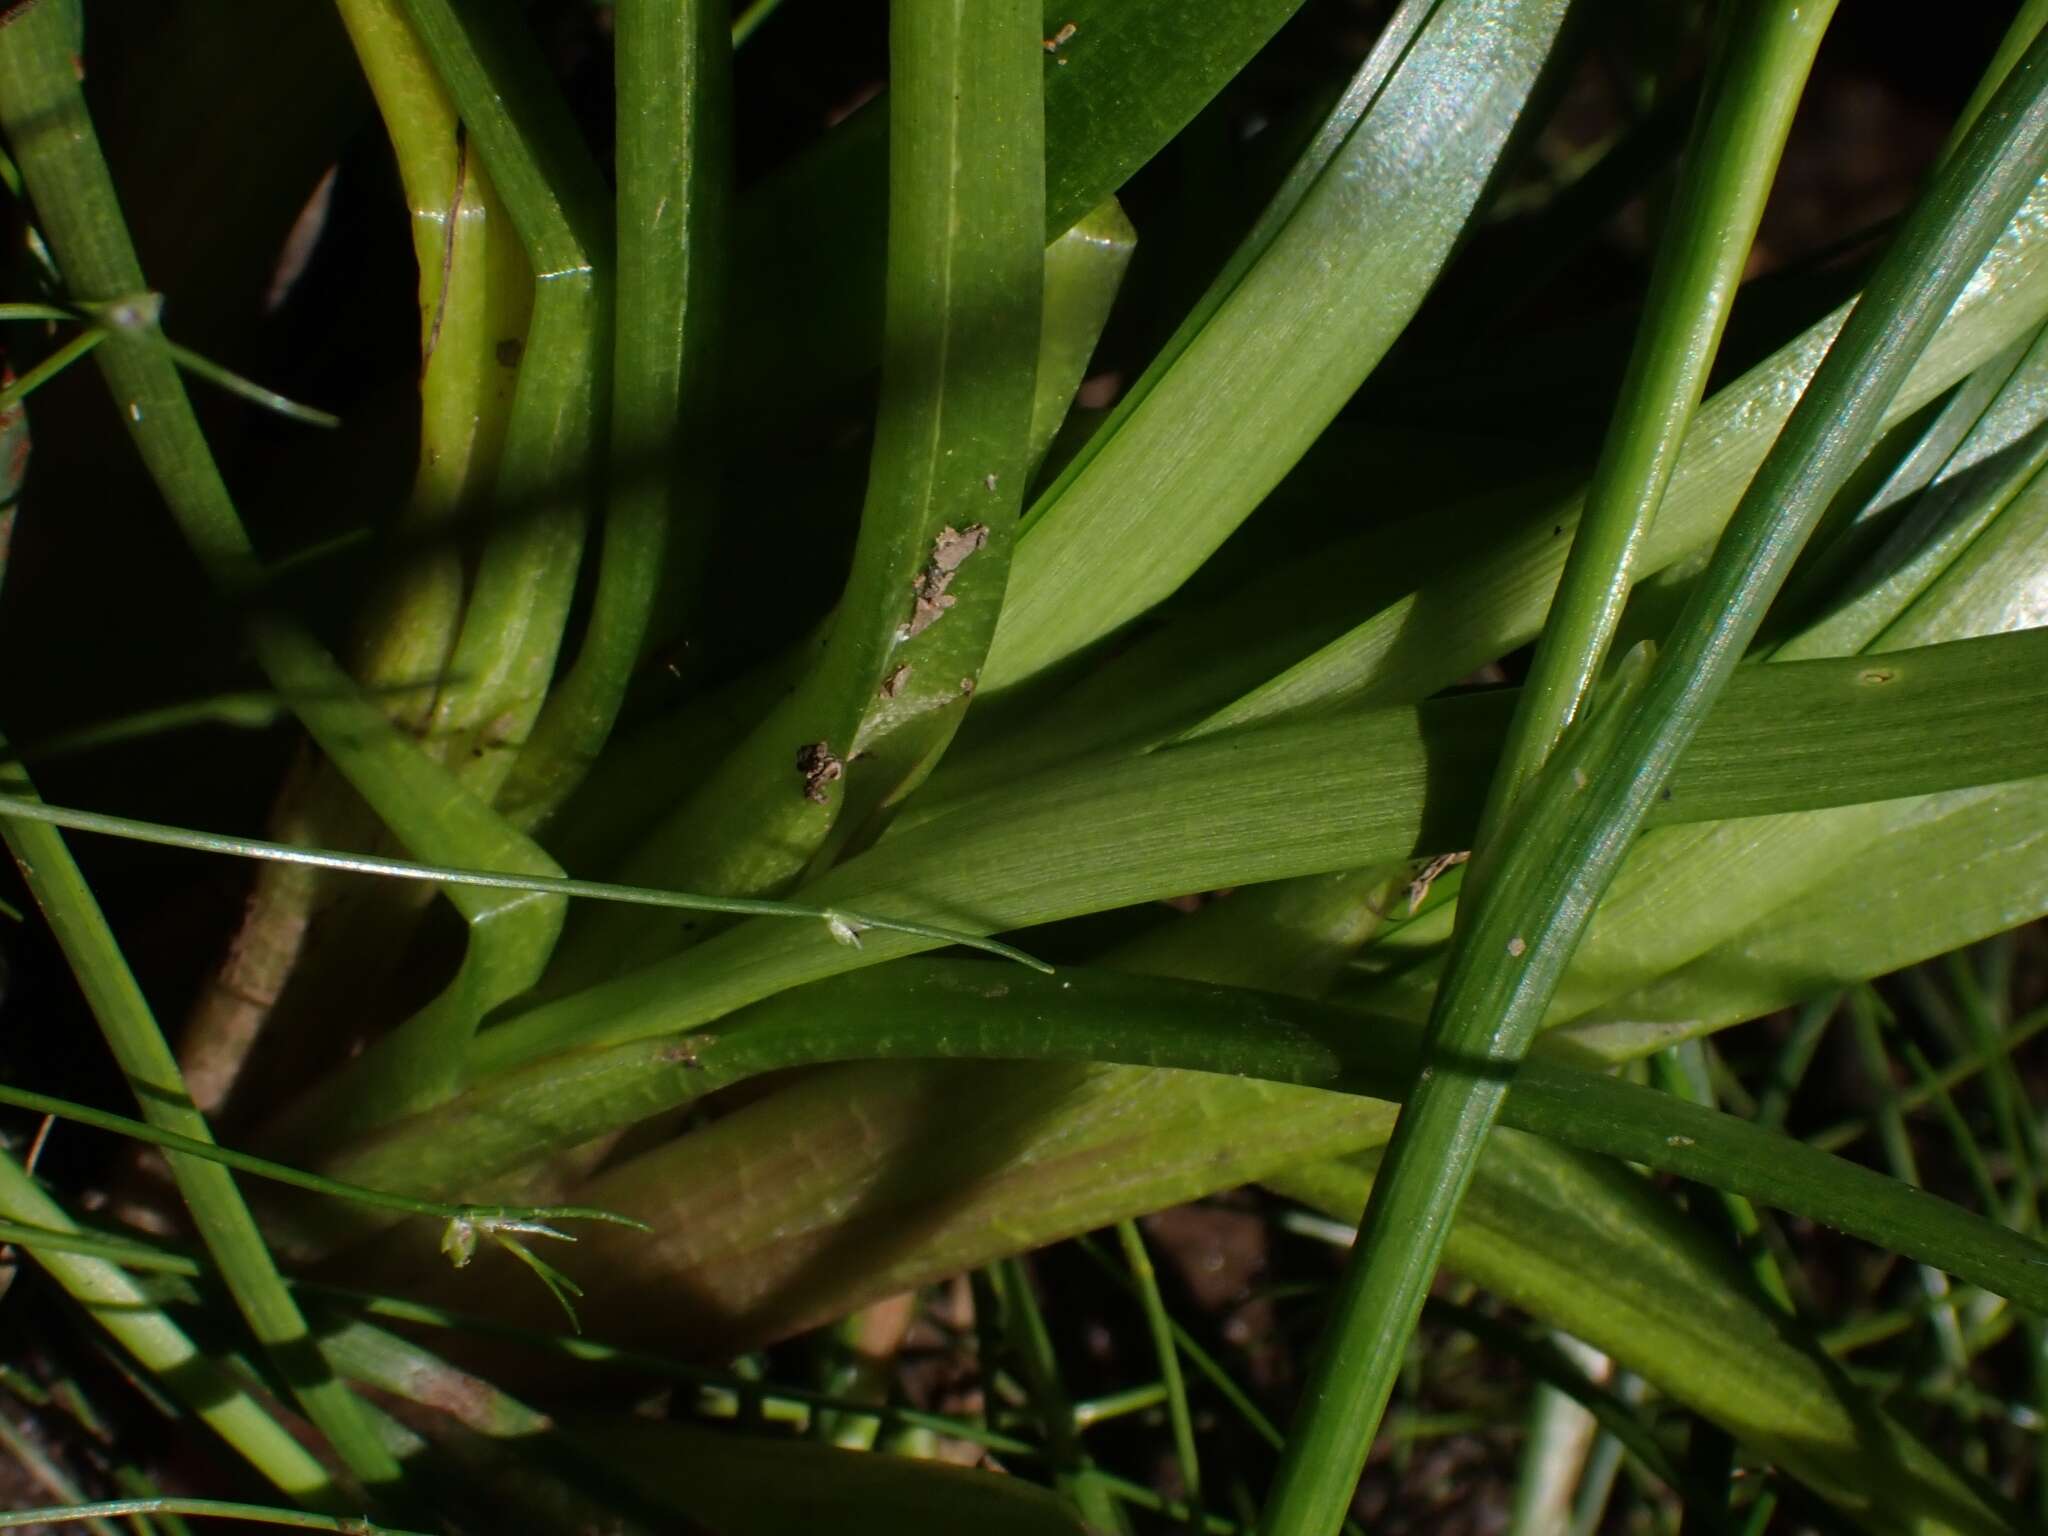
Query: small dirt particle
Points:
[892, 685]
[1518, 947]
[1877, 675]
[967, 685]
[683, 1053]
[988, 483]
[1059, 39]
[819, 768]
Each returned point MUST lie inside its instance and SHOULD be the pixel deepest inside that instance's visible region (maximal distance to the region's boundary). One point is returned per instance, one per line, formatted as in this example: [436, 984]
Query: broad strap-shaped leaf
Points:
[981, 1160]
[675, 173]
[519, 592]
[1313, 299]
[1595, 1251]
[945, 478]
[925, 1008]
[1479, 609]
[1315, 796]
[1129, 77]
[209, 1192]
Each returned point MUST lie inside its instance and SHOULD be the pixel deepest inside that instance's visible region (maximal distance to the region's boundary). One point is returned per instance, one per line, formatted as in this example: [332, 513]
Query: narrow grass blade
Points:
[990, 1158]
[224, 1222]
[945, 477]
[1764, 52]
[842, 923]
[1514, 941]
[1160, 1324]
[674, 164]
[43, 112]
[121, 1307]
[518, 595]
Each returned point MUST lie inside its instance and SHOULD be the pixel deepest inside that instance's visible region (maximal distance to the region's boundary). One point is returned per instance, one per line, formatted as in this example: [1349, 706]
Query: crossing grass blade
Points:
[217, 1208]
[1337, 793]
[1514, 941]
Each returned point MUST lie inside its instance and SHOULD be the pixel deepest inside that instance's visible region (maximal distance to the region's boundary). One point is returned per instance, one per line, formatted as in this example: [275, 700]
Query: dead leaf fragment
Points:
[819, 768]
[949, 552]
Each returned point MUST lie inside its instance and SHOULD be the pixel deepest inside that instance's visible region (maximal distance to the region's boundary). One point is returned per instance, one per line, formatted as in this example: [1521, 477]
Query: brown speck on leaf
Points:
[510, 350]
[683, 1053]
[892, 685]
[967, 685]
[819, 768]
[949, 552]
[1054, 43]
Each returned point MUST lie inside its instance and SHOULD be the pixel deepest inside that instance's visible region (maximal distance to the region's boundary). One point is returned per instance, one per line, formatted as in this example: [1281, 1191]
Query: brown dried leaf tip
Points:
[819, 768]
[949, 552]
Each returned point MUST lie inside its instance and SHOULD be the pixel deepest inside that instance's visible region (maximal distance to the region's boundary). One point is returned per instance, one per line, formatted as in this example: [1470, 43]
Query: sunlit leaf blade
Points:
[1930, 878]
[1482, 608]
[1300, 317]
[1308, 797]
[1971, 549]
